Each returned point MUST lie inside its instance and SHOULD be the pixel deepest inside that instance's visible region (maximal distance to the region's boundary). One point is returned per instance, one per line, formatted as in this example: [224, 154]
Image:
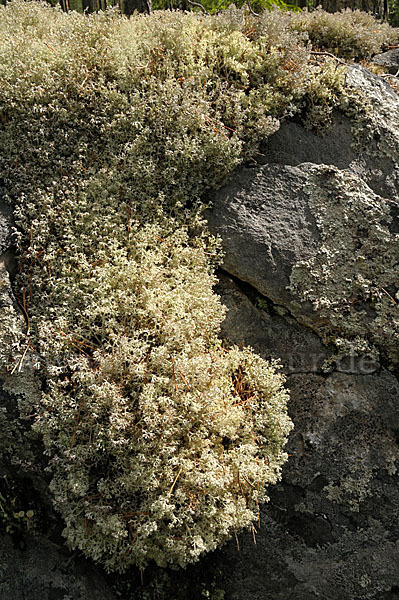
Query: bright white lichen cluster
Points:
[160, 441]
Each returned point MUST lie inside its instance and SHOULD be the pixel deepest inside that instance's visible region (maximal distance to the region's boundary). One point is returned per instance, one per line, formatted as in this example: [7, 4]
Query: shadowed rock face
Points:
[388, 59]
[297, 231]
[264, 220]
[332, 523]
[42, 569]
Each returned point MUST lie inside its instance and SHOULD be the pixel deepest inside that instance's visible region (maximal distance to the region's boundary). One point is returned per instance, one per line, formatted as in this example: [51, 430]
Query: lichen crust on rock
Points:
[352, 281]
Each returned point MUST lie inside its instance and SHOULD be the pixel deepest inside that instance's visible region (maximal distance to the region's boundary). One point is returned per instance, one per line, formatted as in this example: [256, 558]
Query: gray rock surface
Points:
[291, 233]
[43, 570]
[388, 59]
[265, 211]
[266, 225]
[331, 529]
[269, 329]
[298, 229]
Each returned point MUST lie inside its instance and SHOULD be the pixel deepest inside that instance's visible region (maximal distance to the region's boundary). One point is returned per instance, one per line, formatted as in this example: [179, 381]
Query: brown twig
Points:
[174, 483]
[76, 343]
[251, 484]
[254, 532]
[76, 426]
[184, 379]
[200, 6]
[389, 295]
[314, 53]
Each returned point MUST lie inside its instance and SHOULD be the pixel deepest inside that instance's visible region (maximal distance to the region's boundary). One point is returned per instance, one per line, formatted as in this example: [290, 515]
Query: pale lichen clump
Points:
[351, 34]
[160, 441]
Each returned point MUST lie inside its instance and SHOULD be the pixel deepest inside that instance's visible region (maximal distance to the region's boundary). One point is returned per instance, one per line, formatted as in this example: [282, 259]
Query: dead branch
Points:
[314, 53]
[199, 5]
